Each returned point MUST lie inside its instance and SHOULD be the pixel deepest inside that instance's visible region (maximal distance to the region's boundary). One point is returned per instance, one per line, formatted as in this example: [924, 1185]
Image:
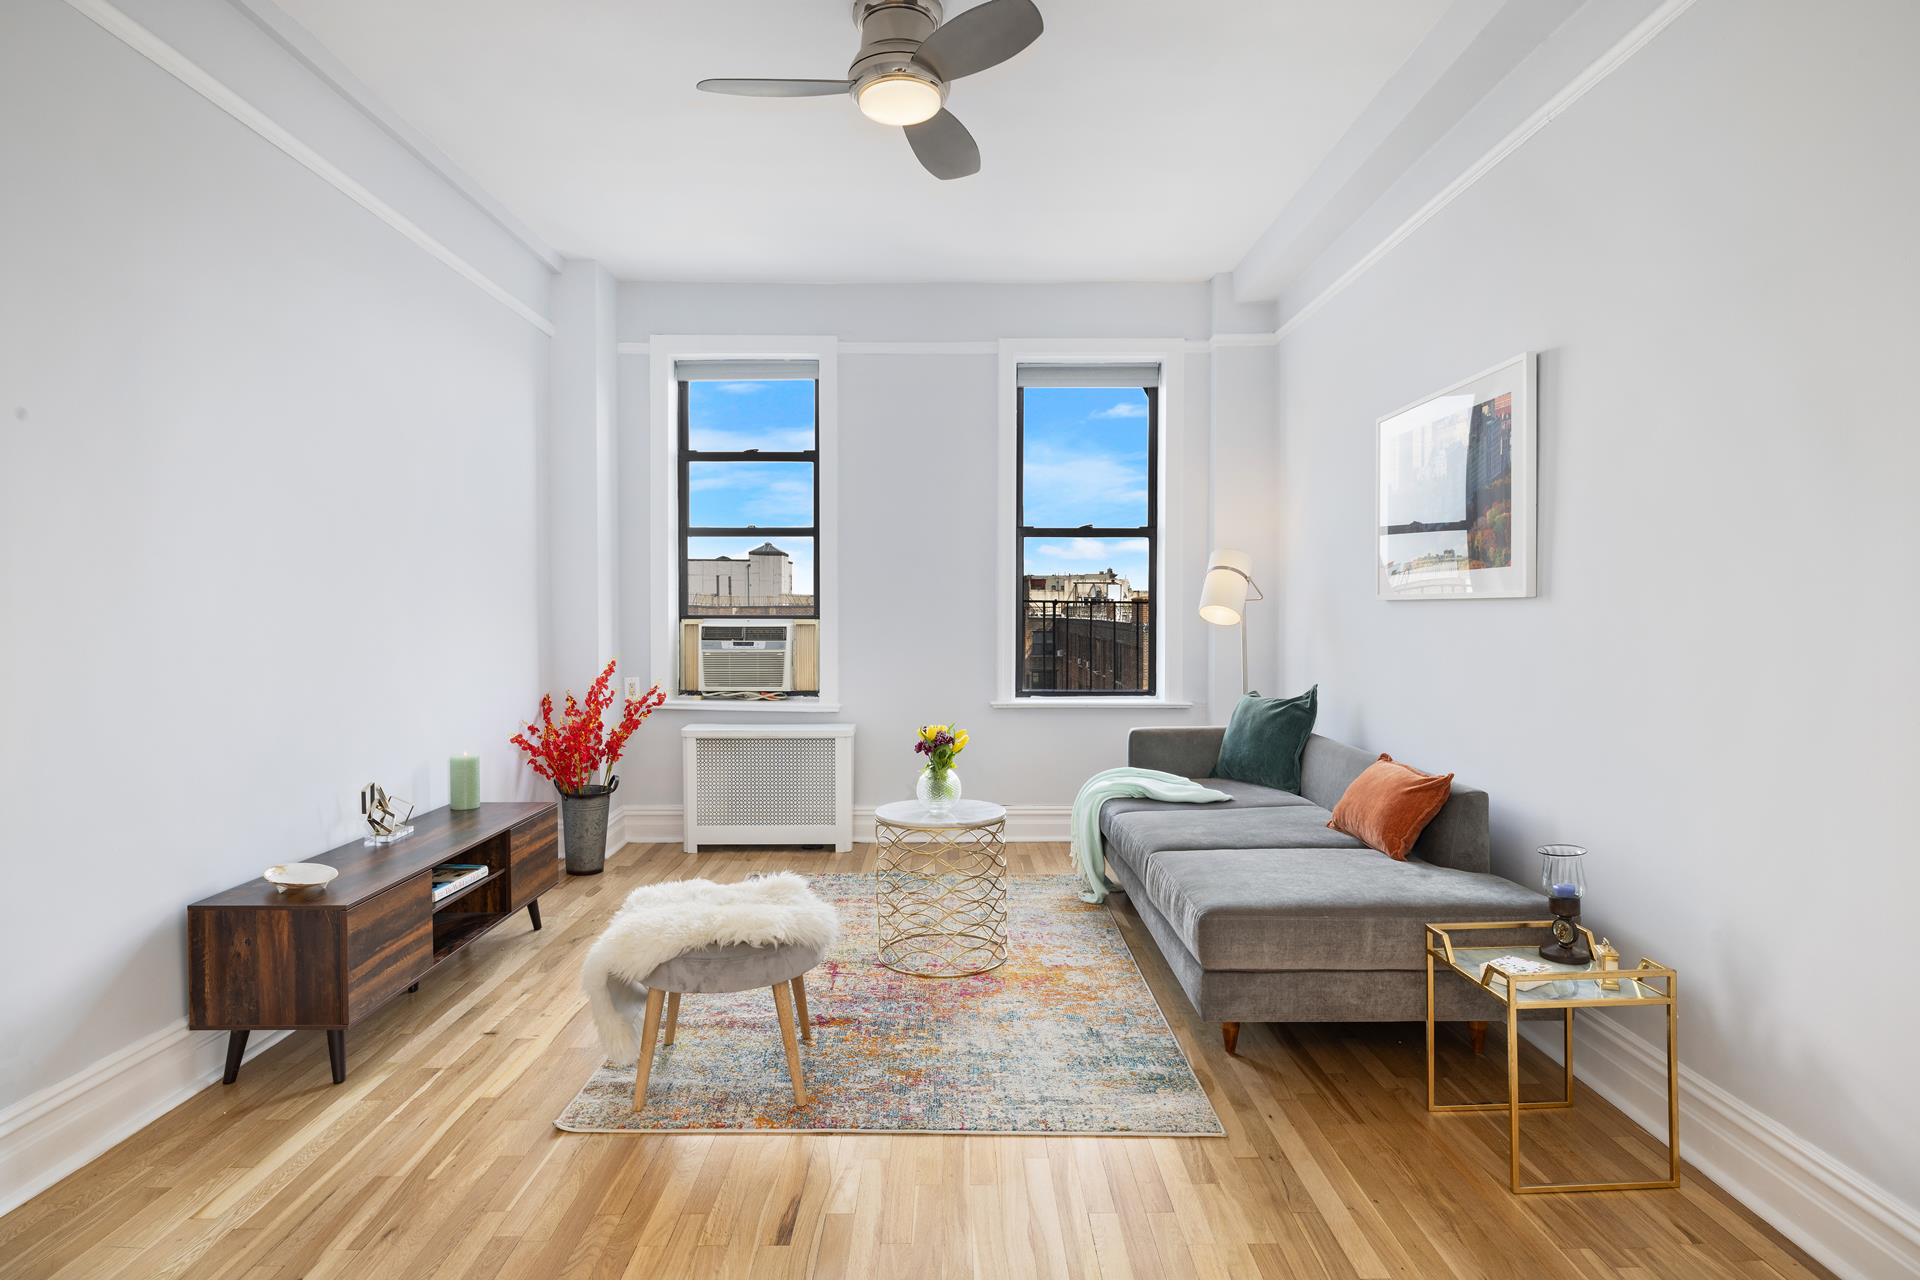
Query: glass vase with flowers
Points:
[939, 783]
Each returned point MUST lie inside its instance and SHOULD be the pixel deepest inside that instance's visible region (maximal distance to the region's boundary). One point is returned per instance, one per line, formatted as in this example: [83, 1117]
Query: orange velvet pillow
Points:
[1390, 804]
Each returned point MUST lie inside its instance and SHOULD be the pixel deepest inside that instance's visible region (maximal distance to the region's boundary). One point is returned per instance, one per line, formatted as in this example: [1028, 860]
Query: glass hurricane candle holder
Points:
[1563, 877]
[1563, 871]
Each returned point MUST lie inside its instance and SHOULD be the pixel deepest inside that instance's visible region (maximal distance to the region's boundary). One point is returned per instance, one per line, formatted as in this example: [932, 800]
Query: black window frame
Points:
[1023, 531]
[687, 456]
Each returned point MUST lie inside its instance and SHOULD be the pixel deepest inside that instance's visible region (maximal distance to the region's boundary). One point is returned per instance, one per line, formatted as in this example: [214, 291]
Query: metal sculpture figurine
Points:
[384, 816]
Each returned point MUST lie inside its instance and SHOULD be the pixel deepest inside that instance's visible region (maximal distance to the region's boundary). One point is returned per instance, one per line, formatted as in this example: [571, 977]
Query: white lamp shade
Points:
[1223, 597]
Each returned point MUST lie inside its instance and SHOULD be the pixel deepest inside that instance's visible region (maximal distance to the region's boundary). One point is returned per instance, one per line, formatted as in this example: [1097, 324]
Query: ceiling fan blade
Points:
[944, 146]
[982, 37]
[776, 88]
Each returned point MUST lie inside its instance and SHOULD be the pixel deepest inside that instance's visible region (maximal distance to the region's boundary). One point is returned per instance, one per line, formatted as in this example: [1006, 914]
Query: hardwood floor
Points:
[438, 1158]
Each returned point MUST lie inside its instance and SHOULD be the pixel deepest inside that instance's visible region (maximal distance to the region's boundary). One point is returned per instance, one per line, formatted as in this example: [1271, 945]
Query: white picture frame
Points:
[1456, 490]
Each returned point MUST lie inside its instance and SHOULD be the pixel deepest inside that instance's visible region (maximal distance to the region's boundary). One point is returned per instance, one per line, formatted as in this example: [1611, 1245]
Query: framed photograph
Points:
[1456, 495]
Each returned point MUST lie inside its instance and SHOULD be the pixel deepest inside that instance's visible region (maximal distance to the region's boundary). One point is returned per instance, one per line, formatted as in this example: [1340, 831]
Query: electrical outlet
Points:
[633, 687]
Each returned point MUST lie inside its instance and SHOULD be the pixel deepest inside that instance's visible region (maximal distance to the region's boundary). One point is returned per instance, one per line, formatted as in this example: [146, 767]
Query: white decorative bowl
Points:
[300, 876]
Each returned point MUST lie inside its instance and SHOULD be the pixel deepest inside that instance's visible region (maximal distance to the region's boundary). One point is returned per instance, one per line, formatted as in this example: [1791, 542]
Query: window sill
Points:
[1062, 704]
[727, 706]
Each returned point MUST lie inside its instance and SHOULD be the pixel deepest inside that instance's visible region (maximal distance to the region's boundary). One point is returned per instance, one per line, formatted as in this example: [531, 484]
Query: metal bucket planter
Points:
[583, 827]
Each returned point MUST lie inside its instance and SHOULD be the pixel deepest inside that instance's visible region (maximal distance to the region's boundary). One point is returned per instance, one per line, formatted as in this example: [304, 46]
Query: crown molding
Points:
[191, 74]
[318, 59]
[1595, 72]
[991, 347]
[987, 348]
[1219, 341]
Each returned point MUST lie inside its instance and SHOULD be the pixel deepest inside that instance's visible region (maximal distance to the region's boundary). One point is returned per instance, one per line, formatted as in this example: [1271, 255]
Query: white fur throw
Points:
[660, 922]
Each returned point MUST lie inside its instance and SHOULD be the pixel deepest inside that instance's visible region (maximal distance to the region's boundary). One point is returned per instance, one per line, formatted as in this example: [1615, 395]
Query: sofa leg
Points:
[1230, 1034]
[1477, 1032]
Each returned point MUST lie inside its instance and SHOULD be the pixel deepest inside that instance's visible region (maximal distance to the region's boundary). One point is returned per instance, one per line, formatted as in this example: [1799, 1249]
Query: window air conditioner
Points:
[753, 657]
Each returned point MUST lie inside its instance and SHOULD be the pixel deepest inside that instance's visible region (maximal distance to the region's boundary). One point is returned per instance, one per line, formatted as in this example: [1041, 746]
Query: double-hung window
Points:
[749, 497]
[1087, 516]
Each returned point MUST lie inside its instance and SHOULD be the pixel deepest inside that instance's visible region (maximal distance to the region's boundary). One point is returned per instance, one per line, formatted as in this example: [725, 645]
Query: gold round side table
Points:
[941, 888]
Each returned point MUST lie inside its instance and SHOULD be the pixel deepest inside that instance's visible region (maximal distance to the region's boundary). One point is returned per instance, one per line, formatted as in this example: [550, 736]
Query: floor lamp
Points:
[1223, 597]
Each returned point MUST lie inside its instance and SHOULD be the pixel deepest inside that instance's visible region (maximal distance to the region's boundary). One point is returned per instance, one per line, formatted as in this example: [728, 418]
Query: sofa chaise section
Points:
[1266, 914]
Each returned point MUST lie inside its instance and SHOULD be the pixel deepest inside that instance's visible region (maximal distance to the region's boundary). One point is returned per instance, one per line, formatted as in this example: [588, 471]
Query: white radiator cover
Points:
[767, 785]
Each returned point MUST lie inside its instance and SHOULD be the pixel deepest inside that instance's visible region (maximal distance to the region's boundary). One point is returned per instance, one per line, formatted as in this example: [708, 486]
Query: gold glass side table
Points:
[1559, 987]
[941, 888]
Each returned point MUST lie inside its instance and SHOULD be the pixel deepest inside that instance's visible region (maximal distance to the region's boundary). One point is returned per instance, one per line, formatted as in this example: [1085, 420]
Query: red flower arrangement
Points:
[567, 754]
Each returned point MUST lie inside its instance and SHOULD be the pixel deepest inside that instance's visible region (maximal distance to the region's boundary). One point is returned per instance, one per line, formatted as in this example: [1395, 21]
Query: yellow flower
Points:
[959, 742]
[931, 732]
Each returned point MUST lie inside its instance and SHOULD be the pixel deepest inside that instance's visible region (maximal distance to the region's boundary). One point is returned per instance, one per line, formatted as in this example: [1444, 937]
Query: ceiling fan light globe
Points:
[899, 100]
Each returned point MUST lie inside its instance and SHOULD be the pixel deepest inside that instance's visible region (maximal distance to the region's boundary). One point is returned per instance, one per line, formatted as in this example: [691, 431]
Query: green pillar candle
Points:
[463, 781]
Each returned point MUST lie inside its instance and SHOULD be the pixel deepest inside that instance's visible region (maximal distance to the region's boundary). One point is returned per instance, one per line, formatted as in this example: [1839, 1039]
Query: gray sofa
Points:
[1266, 914]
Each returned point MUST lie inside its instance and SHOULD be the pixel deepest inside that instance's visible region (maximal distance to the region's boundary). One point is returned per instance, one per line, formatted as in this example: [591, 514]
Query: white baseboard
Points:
[645, 824]
[649, 824]
[1839, 1216]
[47, 1136]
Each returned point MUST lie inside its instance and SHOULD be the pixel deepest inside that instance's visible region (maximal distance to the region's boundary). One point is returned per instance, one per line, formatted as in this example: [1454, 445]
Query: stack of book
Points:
[451, 878]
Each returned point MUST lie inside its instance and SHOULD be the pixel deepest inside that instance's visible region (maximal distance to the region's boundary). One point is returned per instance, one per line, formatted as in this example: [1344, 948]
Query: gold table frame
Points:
[1635, 989]
[941, 894]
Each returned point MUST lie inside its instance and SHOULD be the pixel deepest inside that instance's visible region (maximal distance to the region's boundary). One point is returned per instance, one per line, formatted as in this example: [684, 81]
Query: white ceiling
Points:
[1136, 140]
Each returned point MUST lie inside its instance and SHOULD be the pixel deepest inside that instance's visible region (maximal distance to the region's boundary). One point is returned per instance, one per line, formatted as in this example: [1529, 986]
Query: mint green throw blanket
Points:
[1089, 852]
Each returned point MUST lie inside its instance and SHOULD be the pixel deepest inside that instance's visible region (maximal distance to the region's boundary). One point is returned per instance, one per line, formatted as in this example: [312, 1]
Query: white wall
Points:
[918, 437]
[269, 525]
[1714, 690]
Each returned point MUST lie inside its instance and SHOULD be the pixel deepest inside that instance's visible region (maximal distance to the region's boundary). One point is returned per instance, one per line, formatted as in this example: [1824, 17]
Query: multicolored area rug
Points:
[1065, 1038]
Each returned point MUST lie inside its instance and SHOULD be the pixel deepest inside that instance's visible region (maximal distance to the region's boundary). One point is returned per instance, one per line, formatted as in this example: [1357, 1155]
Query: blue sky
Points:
[1085, 464]
[770, 416]
[751, 415]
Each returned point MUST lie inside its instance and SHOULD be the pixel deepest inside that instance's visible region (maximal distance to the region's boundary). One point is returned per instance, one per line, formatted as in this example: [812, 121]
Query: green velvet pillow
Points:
[1266, 739]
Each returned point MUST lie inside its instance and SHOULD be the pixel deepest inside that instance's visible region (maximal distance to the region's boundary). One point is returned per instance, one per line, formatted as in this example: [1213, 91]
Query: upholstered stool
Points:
[697, 937]
[712, 970]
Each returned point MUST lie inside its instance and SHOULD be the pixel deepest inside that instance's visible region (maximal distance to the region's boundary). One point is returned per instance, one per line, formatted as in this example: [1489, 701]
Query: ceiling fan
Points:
[907, 59]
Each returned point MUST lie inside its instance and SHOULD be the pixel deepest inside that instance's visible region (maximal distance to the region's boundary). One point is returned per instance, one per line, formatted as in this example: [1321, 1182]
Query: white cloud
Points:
[1125, 409]
[1106, 551]
[1066, 487]
[782, 501]
[719, 440]
[739, 389]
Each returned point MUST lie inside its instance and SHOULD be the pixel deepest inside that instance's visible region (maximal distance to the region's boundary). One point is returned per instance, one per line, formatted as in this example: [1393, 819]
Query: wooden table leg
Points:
[649, 1033]
[673, 1015]
[533, 913]
[236, 1048]
[337, 1053]
[800, 1007]
[784, 1009]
